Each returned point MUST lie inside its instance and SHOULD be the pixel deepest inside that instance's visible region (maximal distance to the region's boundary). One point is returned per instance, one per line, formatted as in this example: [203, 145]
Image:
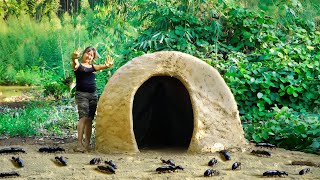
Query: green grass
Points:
[38, 119]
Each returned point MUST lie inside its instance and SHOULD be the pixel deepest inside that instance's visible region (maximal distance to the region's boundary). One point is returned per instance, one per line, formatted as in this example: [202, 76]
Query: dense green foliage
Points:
[267, 51]
[270, 65]
[289, 129]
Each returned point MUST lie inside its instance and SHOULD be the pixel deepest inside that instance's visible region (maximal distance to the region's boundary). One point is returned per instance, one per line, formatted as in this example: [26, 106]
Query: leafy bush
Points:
[28, 77]
[277, 66]
[24, 122]
[7, 75]
[264, 62]
[177, 26]
[278, 69]
[57, 87]
[288, 129]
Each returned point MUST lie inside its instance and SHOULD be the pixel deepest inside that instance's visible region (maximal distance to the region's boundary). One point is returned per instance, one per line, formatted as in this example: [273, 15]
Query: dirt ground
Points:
[143, 165]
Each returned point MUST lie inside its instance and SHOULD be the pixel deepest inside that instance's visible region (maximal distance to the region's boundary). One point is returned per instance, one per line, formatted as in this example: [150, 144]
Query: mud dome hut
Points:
[167, 99]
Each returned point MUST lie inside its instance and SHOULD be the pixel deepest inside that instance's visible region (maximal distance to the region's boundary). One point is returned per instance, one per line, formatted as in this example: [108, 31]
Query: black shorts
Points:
[86, 103]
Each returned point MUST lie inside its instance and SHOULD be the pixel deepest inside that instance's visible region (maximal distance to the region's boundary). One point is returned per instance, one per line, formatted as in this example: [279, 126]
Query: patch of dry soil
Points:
[143, 165]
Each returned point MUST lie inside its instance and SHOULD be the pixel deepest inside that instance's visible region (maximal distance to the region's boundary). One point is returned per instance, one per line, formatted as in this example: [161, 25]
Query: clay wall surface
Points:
[216, 118]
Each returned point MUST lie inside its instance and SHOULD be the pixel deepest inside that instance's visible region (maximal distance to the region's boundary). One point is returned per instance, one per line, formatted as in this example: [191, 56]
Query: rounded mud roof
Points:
[167, 99]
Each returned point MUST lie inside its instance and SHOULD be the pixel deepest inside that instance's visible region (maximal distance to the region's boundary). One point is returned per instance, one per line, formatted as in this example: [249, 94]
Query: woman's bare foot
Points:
[79, 148]
[88, 148]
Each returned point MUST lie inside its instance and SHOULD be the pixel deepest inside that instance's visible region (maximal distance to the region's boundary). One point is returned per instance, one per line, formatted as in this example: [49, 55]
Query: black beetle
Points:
[9, 174]
[51, 149]
[107, 169]
[111, 163]
[236, 165]
[12, 150]
[169, 161]
[169, 168]
[226, 155]
[266, 145]
[18, 160]
[95, 161]
[211, 172]
[212, 162]
[61, 160]
[275, 173]
[259, 152]
[304, 171]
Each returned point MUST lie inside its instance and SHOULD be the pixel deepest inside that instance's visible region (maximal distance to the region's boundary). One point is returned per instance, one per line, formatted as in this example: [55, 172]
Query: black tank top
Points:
[85, 79]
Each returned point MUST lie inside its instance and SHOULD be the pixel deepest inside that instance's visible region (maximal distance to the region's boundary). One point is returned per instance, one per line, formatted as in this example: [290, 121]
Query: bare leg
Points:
[80, 128]
[87, 133]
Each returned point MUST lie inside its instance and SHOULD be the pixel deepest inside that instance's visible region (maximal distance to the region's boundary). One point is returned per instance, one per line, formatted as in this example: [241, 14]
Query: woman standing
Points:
[86, 96]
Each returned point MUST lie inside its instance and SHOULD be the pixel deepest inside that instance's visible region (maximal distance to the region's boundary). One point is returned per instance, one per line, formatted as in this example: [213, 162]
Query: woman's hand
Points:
[109, 61]
[75, 57]
[107, 64]
[76, 54]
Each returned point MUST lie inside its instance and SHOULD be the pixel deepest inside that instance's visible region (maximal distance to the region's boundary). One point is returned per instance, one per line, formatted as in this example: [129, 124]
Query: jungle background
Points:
[266, 50]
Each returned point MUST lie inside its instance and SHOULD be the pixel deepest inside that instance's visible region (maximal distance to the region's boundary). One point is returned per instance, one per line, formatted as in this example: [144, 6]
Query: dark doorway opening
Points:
[162, 114]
